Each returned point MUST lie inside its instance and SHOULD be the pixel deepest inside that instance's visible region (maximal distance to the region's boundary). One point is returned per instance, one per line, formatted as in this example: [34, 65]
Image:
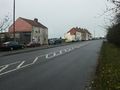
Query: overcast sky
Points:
[61, 15]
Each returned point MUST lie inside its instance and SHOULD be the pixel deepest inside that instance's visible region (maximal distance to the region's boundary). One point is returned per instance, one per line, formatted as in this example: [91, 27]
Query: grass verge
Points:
[108, 69]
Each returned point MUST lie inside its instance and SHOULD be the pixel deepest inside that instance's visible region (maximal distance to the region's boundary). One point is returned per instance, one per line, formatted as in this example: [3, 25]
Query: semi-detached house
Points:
[27, 30]
[77, 34]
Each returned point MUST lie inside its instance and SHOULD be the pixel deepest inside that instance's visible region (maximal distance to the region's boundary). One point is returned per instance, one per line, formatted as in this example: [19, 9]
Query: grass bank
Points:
[108, 70]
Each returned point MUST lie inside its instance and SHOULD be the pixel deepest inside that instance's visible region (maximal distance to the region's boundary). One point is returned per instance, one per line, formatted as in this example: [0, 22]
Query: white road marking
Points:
[4, 68]
[26, 65]
[58, 53]
[16, 69]
[47, 56]
[68, 50]
[40, 56]
[8, 71]
[54, 54]
[35, 60]
[11, 64]
[65, 50]
[50, 55]
[20, 64]
[72, 48]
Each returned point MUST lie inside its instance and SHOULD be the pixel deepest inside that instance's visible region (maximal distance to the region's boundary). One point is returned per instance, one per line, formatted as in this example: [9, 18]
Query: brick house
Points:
[27, 30]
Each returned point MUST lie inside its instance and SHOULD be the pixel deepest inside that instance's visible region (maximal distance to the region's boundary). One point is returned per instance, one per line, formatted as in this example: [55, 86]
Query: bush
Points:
[113, 35]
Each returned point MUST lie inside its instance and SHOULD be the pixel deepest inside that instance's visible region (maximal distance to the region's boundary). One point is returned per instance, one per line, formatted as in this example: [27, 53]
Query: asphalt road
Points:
[69, 67]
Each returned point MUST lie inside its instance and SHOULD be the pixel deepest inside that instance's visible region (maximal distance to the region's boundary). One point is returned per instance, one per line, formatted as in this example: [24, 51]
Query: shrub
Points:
[113, 35]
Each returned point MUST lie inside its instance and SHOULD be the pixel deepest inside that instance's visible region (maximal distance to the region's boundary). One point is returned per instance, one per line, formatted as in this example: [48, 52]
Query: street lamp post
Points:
[14, 20]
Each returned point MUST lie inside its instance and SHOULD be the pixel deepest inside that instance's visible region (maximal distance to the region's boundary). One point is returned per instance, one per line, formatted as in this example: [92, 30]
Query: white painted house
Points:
[77, 34]
[27, 30]
[72, 35]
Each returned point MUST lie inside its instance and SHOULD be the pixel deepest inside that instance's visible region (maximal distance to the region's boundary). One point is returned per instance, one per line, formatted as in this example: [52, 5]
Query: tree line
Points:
[113, 35]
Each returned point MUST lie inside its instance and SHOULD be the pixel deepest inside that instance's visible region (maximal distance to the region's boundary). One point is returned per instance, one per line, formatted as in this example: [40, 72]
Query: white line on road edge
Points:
[4, 68]
[20, 64]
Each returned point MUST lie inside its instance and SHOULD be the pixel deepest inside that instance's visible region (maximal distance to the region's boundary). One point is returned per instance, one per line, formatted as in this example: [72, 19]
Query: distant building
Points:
[27, 30]
[77, 34]
[73, 35]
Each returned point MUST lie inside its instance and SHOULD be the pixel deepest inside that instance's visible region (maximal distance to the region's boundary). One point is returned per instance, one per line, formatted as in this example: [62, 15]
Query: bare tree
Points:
[113, 34]
[4, 24]
[117, 5]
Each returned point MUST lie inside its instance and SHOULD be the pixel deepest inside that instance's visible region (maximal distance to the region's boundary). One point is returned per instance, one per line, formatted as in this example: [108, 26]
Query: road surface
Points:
[69, 67]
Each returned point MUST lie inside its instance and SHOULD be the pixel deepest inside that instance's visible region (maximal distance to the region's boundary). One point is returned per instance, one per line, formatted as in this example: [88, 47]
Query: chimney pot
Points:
[35, 19]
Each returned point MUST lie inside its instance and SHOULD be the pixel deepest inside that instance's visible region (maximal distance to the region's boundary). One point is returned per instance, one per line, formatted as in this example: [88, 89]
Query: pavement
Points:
[69, 67]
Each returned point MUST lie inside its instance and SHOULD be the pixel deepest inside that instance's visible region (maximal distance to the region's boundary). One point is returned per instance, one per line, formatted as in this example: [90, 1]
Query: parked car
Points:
[33, 44]
[54, 41]
[51, 42]
[11, 45]
[58, 41]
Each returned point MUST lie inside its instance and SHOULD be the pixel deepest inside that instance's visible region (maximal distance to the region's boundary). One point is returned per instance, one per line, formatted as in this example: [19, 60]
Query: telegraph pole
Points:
[94, 33]
[14, 20]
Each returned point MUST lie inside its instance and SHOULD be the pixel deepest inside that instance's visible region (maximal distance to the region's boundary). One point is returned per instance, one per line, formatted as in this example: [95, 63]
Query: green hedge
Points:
[113, 35]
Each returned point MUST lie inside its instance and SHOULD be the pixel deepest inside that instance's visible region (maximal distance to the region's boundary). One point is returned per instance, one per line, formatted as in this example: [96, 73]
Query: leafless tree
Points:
[4, 24]
[117, 5]
[113, 34]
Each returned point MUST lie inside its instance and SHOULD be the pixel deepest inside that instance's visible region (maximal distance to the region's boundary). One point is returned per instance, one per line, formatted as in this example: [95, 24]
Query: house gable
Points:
[21, 26]
[72, 31]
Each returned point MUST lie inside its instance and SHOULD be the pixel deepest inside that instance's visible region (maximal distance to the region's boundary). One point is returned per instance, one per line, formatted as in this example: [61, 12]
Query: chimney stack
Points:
[36, 20]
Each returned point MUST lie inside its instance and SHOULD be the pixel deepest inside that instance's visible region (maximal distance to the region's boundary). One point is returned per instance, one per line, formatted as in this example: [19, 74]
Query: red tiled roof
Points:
[25, 25]
[33, 23]
[74, 30]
